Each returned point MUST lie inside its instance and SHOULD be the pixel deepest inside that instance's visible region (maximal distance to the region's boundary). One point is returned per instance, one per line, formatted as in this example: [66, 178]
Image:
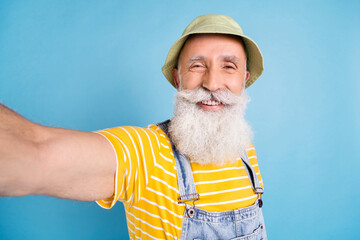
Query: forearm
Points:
[18, 154]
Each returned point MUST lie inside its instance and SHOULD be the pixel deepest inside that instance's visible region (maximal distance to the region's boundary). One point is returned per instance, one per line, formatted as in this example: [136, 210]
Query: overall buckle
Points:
[190, 211]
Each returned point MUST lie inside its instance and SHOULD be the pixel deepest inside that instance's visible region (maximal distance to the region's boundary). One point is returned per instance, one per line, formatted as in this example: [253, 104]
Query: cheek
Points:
[191, 81]
[236, 85]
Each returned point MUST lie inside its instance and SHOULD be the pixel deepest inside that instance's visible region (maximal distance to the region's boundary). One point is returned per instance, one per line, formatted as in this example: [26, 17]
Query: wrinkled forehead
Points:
[194, 37]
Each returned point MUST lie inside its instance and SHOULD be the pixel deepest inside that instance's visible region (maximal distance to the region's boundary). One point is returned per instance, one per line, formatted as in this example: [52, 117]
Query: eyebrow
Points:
[196, 58]
[230, 58]
[226, 58]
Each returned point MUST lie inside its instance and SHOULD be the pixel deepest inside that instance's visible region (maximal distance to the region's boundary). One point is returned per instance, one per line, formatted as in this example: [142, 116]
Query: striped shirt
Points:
[146, 182]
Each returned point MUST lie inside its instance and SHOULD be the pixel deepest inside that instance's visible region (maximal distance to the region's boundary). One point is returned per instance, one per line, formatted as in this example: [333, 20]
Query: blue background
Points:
[90, 65]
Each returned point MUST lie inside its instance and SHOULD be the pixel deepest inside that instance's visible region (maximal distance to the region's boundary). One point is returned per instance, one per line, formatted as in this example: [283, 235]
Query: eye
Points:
[196, 65]
[229, 66]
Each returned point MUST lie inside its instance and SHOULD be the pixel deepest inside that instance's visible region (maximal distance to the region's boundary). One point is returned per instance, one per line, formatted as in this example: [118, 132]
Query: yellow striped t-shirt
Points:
[146, 182]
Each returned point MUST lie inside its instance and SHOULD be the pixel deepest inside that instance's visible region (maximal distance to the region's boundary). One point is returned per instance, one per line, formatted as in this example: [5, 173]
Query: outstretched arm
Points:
[63, 163]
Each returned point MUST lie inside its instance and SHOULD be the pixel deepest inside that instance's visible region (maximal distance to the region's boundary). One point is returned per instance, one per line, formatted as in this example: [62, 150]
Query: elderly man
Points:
[195, 176]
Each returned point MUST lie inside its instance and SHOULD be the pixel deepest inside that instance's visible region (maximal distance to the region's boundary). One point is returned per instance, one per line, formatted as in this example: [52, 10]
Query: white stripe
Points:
[171, 153]
[161, 194]
[129, 228]
[165, 183]
[132, 232]
[255, 165]
[150, 225]
[137, 178]
[221, 203]
[164, 146]
[97, 202]
[156, 216]
[132, 195]
[123, 185]
[137, 156]
[156, 137]
[224, 191]
[221, 180]
[151, 147]
[122, 143]
[217, 170]
[155, 163]
[162, 135]
[151, 125]
[128, 154]
[166, 171]
[143, 154]
[143, 231]
[252, 157]
[162, 207]
[165, 158]
[248, 149]
[130, 199]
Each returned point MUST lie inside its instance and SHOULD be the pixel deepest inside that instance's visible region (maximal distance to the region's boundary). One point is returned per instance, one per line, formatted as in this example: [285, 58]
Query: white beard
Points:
[210, 137]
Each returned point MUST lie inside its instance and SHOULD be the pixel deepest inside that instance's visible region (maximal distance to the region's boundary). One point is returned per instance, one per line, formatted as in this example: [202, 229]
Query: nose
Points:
[212, 80]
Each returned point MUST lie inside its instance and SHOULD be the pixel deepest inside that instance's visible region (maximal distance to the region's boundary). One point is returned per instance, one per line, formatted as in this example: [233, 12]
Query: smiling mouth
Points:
[211, 105]
[210, 102]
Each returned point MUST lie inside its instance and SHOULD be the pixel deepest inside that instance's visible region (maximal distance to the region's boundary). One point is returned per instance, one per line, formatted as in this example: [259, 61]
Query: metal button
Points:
[191, 212]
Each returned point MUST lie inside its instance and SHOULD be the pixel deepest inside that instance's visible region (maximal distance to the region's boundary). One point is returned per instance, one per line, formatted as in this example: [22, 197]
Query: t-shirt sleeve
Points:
[251, 152]
[134, 148]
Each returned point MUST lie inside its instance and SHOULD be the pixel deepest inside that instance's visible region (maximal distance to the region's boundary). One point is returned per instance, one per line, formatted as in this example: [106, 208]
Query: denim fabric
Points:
[245, 223]
[240, 224]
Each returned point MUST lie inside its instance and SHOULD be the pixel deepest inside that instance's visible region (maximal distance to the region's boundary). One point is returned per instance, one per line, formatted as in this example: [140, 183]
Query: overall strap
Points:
[185, 178]
[252, 175]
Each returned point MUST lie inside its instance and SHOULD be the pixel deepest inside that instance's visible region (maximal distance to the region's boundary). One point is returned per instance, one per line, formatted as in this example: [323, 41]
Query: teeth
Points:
[210, 102]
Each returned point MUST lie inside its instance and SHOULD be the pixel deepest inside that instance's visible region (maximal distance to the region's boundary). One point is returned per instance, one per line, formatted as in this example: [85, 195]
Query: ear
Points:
[175, 75]
[247, 76]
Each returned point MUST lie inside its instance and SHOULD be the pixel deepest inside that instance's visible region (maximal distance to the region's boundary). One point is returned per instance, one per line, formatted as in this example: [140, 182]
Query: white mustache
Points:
[224, 96]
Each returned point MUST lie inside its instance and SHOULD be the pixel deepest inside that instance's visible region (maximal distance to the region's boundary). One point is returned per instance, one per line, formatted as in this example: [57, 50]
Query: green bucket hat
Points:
[220, 24]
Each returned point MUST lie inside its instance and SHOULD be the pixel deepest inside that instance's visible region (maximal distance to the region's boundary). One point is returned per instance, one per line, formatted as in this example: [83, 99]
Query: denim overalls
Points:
[240, 224]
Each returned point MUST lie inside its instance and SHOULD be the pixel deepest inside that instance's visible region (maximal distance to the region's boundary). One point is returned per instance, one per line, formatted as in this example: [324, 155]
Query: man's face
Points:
[212, 61]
